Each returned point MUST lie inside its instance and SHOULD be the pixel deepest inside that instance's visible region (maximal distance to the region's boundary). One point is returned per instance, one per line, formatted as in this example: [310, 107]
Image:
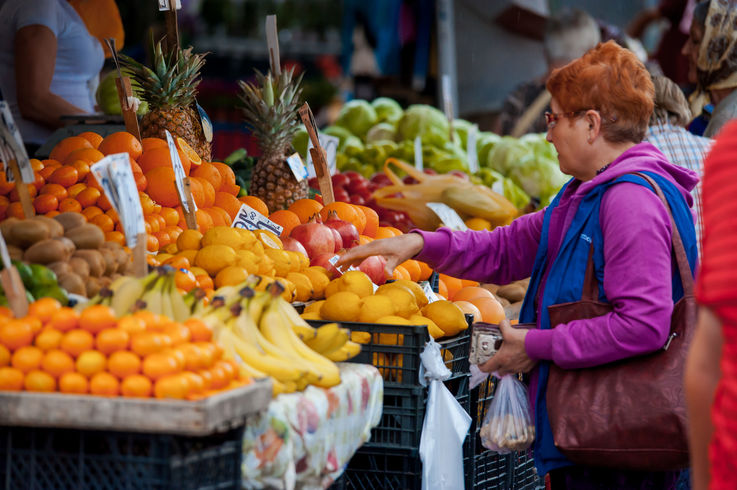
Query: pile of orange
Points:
[57, 349]
[479, 302]
[64, 183]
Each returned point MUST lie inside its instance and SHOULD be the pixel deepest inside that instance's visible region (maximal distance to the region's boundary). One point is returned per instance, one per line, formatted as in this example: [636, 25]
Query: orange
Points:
[208, 191]
[15, 334]
[39, 381]
[210, 173]
[400, 273]
[185, 280]
[145, 343]
[151, 143]
[178, 333]
[94, 138]
[141, 181]
[442, 289]
[469, 292]
[206, 378]
[136, 386]
[205, 282]
[186, 151]
[152, 243]
[5, 186]
[32, 191]
[160, 157]
[45, 203]
[469, 283]
[48, 339]
[196, 383]
[112, 340]
[115, 236]
[89, 155]
[64, 319]
[51, 214]
[345, 211]
[97, 318]
[73, 383]
[76, 341]
[174, 232]
[68, 145]
[153, 223]
[88, 197]
[219, 377]
[91, 181]
[83, 169]
[305, 209]
[209, 353]
[470, 309]
[4, 356]
[91, 362]
[453, 284]
[219, 216]
[228, 202]
[70, 205]
[226, 174]
[285, 218]
[51, 163]
[75, 189]
[194, 358]
[131, 324]
[57, 362]
[425, 271]
[361, 219]
[160, 364]
[372, 221]
[43, 308]
[36, 164]
[413, 269]
[204, 221]
[199, 330]
[11, 379]
[491, 310]
[45, 172]
[104, 384]
[363, 239]
[104, 222]
[103, 203]
[56, 190]
[161, 187]
[27, 358]
[163, 238]
[35, 323]
[175, 386]
[124, 363]
[65, 176]
[255, 203]
[113, 214]
[121, 142]
[383, 232]
[39, 180]
[170, 216]
[396, 231]
[15, 210]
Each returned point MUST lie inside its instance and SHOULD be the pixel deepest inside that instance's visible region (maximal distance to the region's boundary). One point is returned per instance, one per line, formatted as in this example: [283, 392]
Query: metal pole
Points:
[447, 50]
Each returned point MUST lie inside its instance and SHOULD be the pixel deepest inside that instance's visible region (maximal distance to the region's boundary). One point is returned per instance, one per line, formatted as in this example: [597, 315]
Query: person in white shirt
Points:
[49, 65]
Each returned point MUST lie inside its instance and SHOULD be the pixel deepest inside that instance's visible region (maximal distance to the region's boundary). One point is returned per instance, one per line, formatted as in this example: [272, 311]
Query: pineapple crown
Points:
[270, 106]
[173, 80]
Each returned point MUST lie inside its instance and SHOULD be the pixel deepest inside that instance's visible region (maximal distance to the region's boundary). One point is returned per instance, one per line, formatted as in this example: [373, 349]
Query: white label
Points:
[498, 187]
[298, 168]
[12, 138]
[4, 252]
[116, 179]
[330, 145]
[334, 259]
[419, 165]
[427, 289]
[473, 156]
[447, 100]
[164, 5]
[250, 219]
[272, 42]
[179, 174]
[448, 216]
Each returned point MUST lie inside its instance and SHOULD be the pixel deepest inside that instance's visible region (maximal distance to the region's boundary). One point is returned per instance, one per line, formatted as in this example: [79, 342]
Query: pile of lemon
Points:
[352, 298]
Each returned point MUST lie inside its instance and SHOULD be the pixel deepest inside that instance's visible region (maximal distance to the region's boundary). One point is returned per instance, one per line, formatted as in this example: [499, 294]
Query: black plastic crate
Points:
[43, 458]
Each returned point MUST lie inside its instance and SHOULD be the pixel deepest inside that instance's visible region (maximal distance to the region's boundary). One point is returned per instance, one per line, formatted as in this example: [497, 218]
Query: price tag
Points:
[4, 254]
[448, 216]
[179, 174]
[298, 168]
[330, 145]
[498, 187]
[116, 178]
[427, 289]
[419, 165]
[472, 155]
[164, 5]
[272, 43]
[14, 142]
[250, 219]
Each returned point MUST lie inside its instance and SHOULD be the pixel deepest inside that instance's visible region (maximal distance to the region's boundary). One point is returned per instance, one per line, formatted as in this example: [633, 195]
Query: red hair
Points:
[611, 80]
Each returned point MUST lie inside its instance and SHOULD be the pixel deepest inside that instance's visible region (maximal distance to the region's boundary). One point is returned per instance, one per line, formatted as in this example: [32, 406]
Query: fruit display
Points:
[92, 351]
[38, 281]
[74, 250]
[270, 112]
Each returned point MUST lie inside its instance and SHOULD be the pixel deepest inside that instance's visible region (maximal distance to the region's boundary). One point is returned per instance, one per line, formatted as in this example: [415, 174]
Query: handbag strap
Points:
[591, 285]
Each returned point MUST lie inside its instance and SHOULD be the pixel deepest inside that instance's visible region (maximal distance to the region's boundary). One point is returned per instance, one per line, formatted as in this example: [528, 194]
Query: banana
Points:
[245, 368]
[127, 292]
[166, 293]
[328, 338]
[180, 309]
[306, 333]
[347, 351]
[154, 297]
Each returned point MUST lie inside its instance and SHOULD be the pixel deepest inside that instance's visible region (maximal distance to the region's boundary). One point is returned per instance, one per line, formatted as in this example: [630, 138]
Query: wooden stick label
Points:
[330, 145]
[272, 42]
[179, 174]
[250, 219]
[14, 148]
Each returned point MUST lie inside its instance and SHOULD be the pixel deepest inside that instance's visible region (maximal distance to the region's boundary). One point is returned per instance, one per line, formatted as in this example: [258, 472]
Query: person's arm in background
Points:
[701, 378]
[35, 58]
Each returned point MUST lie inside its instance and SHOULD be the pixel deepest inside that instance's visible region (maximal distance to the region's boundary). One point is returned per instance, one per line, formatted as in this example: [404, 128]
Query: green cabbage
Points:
[357, 116]
[387, 110]
[461, 128]
[381, 131]
[422, 120]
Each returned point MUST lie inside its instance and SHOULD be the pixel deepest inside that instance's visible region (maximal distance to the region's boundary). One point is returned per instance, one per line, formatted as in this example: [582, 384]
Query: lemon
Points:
[230, 276]
[171, 249]
[189, 240]
[312, 315]
[224, 235]
[163, 257]
[314, 307]
[256, 247]
[303, 285]
[198, 271]
[332, 287]
[375, 307]
[478, 224]
[414, 288]
[304, 261]
[213, 258]
[357, 282]
[342, 306]
[266, 266]
[392, 338]
[294, 261]
[290, 289]
[403, 300]
[269, 239]
[249, 239]
[434, 331]
[361, 337]
[446, 315]
[282, 261]
[188, 254]
[319, 278]
[247, 260]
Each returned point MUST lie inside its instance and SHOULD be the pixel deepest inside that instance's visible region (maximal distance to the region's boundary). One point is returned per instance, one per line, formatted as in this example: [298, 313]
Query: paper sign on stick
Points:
[419, 165]
[250, 219]
[13, 141]
[297, 167]
[330, 145]
[164, 5]
[448, 216]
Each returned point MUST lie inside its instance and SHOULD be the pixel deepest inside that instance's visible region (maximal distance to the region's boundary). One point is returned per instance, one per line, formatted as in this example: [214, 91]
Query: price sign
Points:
[297, 167]
[473, 156]
[164, 5]
[250, 219]
[418, 154]
[448, 216]
[116, 179]
[14, 147]
[427, 289]
[179, 174]
[272, 43]
[330, 145]
[498, 187]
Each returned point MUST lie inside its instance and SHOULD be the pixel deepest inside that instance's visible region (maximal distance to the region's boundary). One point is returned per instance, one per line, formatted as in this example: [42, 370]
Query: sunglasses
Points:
[551, 118]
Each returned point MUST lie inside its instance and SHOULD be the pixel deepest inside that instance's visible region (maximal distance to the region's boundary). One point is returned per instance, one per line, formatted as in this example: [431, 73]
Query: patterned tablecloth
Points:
[304, 440]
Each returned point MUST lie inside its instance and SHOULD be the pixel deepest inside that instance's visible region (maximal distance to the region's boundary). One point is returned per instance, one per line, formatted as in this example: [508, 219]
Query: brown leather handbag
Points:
[629, 414]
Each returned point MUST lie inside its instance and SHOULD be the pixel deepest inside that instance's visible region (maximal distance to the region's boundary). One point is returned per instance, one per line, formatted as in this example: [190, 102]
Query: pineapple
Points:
[170, 89]
[270, 112]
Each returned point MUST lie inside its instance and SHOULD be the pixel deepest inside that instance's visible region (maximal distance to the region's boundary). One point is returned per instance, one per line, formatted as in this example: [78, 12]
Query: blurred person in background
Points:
[712, 53]
[568, 36]
[667, 132]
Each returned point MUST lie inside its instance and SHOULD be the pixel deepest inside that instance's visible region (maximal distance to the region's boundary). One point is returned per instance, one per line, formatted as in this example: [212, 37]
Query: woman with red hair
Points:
[605, 219]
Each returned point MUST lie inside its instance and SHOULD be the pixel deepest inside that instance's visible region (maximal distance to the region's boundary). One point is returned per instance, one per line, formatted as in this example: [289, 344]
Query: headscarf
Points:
[716, 66]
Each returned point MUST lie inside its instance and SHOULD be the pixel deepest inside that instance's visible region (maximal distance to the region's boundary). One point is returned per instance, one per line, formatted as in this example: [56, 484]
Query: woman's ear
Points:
[593, 120]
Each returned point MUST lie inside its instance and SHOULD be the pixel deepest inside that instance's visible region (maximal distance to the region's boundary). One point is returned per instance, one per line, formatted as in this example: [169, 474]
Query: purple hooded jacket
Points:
[637, 263]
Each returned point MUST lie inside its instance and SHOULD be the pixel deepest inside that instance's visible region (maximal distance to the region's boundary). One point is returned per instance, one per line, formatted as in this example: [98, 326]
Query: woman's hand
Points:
[395, 250]
[512, 356]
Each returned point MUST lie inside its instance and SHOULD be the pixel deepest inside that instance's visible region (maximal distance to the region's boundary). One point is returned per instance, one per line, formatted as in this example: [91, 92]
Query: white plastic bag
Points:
[508, 425]
[444, 429]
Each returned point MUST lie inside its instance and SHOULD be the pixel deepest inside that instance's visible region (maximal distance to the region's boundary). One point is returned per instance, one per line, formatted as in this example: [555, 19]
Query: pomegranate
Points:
[338, 239]
[374, 268]
[316, 238]
[346, 230]
[323, 260]
[293, 245]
